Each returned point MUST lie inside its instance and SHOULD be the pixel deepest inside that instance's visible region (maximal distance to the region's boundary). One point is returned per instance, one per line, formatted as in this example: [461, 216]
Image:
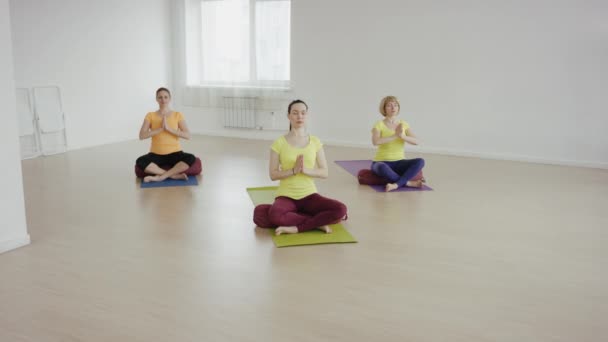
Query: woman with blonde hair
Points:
[390, 135]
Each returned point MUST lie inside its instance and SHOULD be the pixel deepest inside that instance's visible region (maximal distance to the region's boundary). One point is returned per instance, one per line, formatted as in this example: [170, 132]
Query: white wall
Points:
[13, 229]
[107, 56]
[522, 80]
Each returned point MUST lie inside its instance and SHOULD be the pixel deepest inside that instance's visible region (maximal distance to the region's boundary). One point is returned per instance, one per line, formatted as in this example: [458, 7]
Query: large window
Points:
[239, 43]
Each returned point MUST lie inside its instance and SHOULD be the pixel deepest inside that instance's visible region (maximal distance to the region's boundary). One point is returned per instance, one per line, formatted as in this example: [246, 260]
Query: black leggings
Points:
[166, 160]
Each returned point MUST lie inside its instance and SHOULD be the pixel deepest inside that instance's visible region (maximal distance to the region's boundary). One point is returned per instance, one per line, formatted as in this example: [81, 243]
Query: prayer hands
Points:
[299, 166]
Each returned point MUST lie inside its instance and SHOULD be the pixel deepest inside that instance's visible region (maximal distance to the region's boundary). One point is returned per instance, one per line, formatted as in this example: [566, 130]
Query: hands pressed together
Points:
[400, 132]
[299, 165]
[166, 126]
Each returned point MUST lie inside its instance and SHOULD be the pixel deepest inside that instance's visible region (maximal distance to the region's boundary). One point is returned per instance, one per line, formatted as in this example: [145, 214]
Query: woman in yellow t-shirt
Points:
[295, 159]
[390, 135]
[165, 127]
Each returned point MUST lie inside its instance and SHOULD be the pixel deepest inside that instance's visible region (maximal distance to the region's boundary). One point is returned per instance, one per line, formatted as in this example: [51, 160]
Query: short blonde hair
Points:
[386, 100]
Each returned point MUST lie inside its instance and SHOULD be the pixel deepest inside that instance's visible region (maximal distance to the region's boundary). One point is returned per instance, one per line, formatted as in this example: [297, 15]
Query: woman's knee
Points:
[188, 158]
[420, 162]
[338, 210]
[261, 216]
[378, 167]
[341, 210]
[143, 162]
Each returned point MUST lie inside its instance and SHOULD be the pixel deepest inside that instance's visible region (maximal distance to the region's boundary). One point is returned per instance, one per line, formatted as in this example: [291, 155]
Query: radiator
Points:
[239, 112]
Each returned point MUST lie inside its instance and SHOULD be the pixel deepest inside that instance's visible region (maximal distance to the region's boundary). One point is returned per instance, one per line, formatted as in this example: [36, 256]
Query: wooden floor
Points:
[500, 251]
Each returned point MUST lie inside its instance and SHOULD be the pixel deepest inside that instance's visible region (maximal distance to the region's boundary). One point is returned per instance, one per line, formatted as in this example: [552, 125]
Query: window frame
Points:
[253, 82]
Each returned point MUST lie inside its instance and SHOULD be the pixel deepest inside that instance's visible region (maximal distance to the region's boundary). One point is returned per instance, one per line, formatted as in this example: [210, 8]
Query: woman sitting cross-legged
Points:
[390, 135]
[165, 127]
[295, 159]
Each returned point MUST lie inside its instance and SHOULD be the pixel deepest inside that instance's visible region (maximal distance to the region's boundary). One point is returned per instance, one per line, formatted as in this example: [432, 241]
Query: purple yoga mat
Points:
[353, 167]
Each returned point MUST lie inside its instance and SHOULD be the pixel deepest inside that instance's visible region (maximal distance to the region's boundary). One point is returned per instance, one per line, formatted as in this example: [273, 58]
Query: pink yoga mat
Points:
[353, 167]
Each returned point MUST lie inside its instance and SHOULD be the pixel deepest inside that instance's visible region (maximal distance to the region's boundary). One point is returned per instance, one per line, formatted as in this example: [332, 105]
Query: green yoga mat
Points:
[265, 195]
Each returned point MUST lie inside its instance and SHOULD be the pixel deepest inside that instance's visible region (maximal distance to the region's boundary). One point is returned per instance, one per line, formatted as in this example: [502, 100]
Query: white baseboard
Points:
[254, 134]
[270, 135]
[482, 155]
[518, 158]
[10, 244]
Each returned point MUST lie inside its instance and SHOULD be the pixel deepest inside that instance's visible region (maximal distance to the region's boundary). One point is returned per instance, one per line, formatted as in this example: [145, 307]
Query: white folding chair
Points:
[28, 131]
[50, 119]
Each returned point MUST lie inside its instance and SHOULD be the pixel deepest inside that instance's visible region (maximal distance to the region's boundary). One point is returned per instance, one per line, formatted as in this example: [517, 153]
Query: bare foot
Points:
[148, 179]
[414, 184]
[390, 187]
[286, 230]
[181, 176]
[326, 229]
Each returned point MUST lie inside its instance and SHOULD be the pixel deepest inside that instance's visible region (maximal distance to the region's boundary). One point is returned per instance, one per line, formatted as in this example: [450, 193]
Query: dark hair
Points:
[293, 103]
[163, 89]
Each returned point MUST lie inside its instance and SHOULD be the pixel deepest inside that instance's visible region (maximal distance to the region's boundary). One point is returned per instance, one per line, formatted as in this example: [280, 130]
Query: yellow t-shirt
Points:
[164, 142]
[300, 185]
[393, 150]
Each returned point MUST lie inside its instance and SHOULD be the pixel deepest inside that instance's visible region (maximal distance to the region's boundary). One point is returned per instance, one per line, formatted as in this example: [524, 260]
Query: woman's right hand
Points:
[299, 165]
[399, 131]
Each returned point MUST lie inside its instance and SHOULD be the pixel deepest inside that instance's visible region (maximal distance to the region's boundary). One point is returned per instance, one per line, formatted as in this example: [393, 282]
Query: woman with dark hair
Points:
[165, 127]
[295, 159]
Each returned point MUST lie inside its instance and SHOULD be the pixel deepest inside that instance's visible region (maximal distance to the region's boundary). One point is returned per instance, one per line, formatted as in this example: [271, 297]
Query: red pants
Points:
[308, 213]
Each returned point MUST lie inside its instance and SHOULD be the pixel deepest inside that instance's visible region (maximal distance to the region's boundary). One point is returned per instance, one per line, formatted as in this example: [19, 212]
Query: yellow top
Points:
[300, 185]
[164, 142]
[393, 150]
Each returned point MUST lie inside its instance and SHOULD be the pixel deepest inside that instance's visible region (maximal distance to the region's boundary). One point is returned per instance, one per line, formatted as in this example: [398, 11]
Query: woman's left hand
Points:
[399, 130]
[299, 166]
[166, 126]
